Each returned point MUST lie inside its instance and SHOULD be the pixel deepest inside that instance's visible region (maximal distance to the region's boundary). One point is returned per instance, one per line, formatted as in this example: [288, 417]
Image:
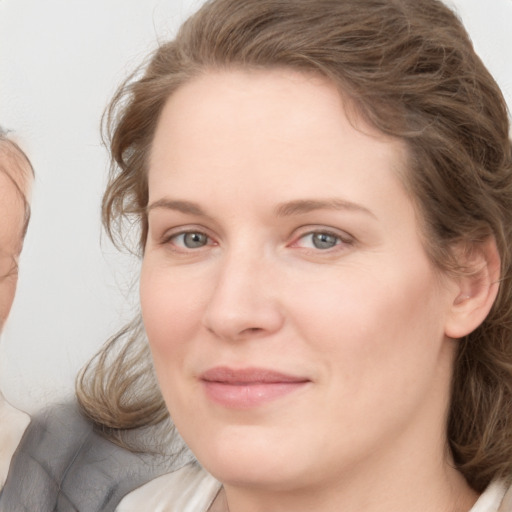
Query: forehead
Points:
[286, 93]
[259, 124]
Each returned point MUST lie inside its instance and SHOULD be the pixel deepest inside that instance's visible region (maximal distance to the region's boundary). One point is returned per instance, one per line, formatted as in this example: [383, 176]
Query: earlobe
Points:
[477, 288]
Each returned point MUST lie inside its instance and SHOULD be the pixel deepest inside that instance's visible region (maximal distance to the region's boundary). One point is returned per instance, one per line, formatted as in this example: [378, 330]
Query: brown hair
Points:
[409, 68]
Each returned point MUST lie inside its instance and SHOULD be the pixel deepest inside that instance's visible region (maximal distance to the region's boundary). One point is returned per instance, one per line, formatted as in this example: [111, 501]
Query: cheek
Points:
[379, 340]
[366, 318]
[171, 314]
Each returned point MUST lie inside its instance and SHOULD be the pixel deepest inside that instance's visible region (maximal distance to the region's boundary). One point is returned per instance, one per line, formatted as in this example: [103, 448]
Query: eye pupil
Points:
[324, 240]
[194, 240]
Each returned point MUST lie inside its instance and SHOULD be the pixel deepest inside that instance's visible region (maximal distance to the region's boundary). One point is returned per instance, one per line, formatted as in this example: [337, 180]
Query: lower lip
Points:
[245, 396]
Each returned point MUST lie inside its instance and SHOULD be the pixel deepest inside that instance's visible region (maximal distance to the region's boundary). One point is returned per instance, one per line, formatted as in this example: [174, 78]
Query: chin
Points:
[255, 474]
[246, 456]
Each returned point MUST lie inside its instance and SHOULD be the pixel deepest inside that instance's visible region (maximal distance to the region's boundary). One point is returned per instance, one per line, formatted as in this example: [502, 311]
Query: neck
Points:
[413, 473]
[420, 492]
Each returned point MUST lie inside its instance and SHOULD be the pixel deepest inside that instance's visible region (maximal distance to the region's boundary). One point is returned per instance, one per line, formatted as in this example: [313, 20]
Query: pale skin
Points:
[15, 178]
[15, 181]
[281, 237]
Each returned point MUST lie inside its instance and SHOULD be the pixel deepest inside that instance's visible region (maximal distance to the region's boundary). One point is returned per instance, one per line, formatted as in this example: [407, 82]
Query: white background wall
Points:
[60, 61]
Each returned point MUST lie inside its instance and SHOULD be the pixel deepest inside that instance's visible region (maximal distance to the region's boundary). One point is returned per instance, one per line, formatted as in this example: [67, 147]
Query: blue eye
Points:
[190, 240]
[321, 240]
[324, 240]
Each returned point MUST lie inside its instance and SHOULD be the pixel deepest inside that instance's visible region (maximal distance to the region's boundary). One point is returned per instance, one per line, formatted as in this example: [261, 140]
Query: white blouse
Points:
[494, 499]
[189, 489]
[13, 423]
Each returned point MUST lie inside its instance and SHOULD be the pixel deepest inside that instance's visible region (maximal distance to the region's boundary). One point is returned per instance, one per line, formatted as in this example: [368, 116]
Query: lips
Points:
[248, 387]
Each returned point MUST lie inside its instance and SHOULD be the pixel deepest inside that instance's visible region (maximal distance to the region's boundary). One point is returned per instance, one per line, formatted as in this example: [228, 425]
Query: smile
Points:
[249, 387]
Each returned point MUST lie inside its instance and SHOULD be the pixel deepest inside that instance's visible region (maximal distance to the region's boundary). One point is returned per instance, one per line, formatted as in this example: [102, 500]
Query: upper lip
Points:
[241, 376]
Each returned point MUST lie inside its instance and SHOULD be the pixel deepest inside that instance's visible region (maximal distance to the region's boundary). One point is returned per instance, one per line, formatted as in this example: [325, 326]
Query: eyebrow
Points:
[181, 206]
[286, 209]
[301, 206]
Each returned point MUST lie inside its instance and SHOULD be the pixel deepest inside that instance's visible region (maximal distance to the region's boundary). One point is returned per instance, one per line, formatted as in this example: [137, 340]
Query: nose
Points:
[244, 303]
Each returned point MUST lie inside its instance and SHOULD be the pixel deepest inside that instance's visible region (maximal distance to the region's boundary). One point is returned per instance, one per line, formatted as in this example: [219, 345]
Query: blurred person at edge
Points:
[66, 465]
[16, 176]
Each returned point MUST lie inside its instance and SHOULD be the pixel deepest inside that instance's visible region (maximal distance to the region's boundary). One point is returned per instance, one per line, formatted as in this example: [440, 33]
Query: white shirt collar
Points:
[13, 423]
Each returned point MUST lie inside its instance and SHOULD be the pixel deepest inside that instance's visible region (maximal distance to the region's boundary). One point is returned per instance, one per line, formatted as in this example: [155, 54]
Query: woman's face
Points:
[296, 324]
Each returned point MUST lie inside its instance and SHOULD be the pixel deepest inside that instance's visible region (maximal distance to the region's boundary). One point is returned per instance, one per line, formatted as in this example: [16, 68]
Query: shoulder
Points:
[13, 423]
[62, 463]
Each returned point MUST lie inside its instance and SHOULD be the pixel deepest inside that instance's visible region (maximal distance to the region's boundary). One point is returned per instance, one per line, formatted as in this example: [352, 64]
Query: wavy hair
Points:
[409, 68]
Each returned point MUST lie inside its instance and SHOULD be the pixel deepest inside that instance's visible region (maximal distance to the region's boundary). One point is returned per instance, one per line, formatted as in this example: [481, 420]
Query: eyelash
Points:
[171, 239]
[340, 242]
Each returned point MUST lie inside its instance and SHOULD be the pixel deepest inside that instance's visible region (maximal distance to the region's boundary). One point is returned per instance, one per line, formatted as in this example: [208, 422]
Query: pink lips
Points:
[248, 387]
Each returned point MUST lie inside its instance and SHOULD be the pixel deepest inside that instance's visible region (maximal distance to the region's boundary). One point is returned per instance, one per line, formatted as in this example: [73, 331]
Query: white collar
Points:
[188, 489]
[13, 423]
[491, 499]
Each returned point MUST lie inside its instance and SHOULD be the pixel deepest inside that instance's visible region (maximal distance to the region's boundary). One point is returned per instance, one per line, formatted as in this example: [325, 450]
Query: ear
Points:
[476, 288]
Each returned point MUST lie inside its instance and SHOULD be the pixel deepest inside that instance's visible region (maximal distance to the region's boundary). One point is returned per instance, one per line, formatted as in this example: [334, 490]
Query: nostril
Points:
[252, 330]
